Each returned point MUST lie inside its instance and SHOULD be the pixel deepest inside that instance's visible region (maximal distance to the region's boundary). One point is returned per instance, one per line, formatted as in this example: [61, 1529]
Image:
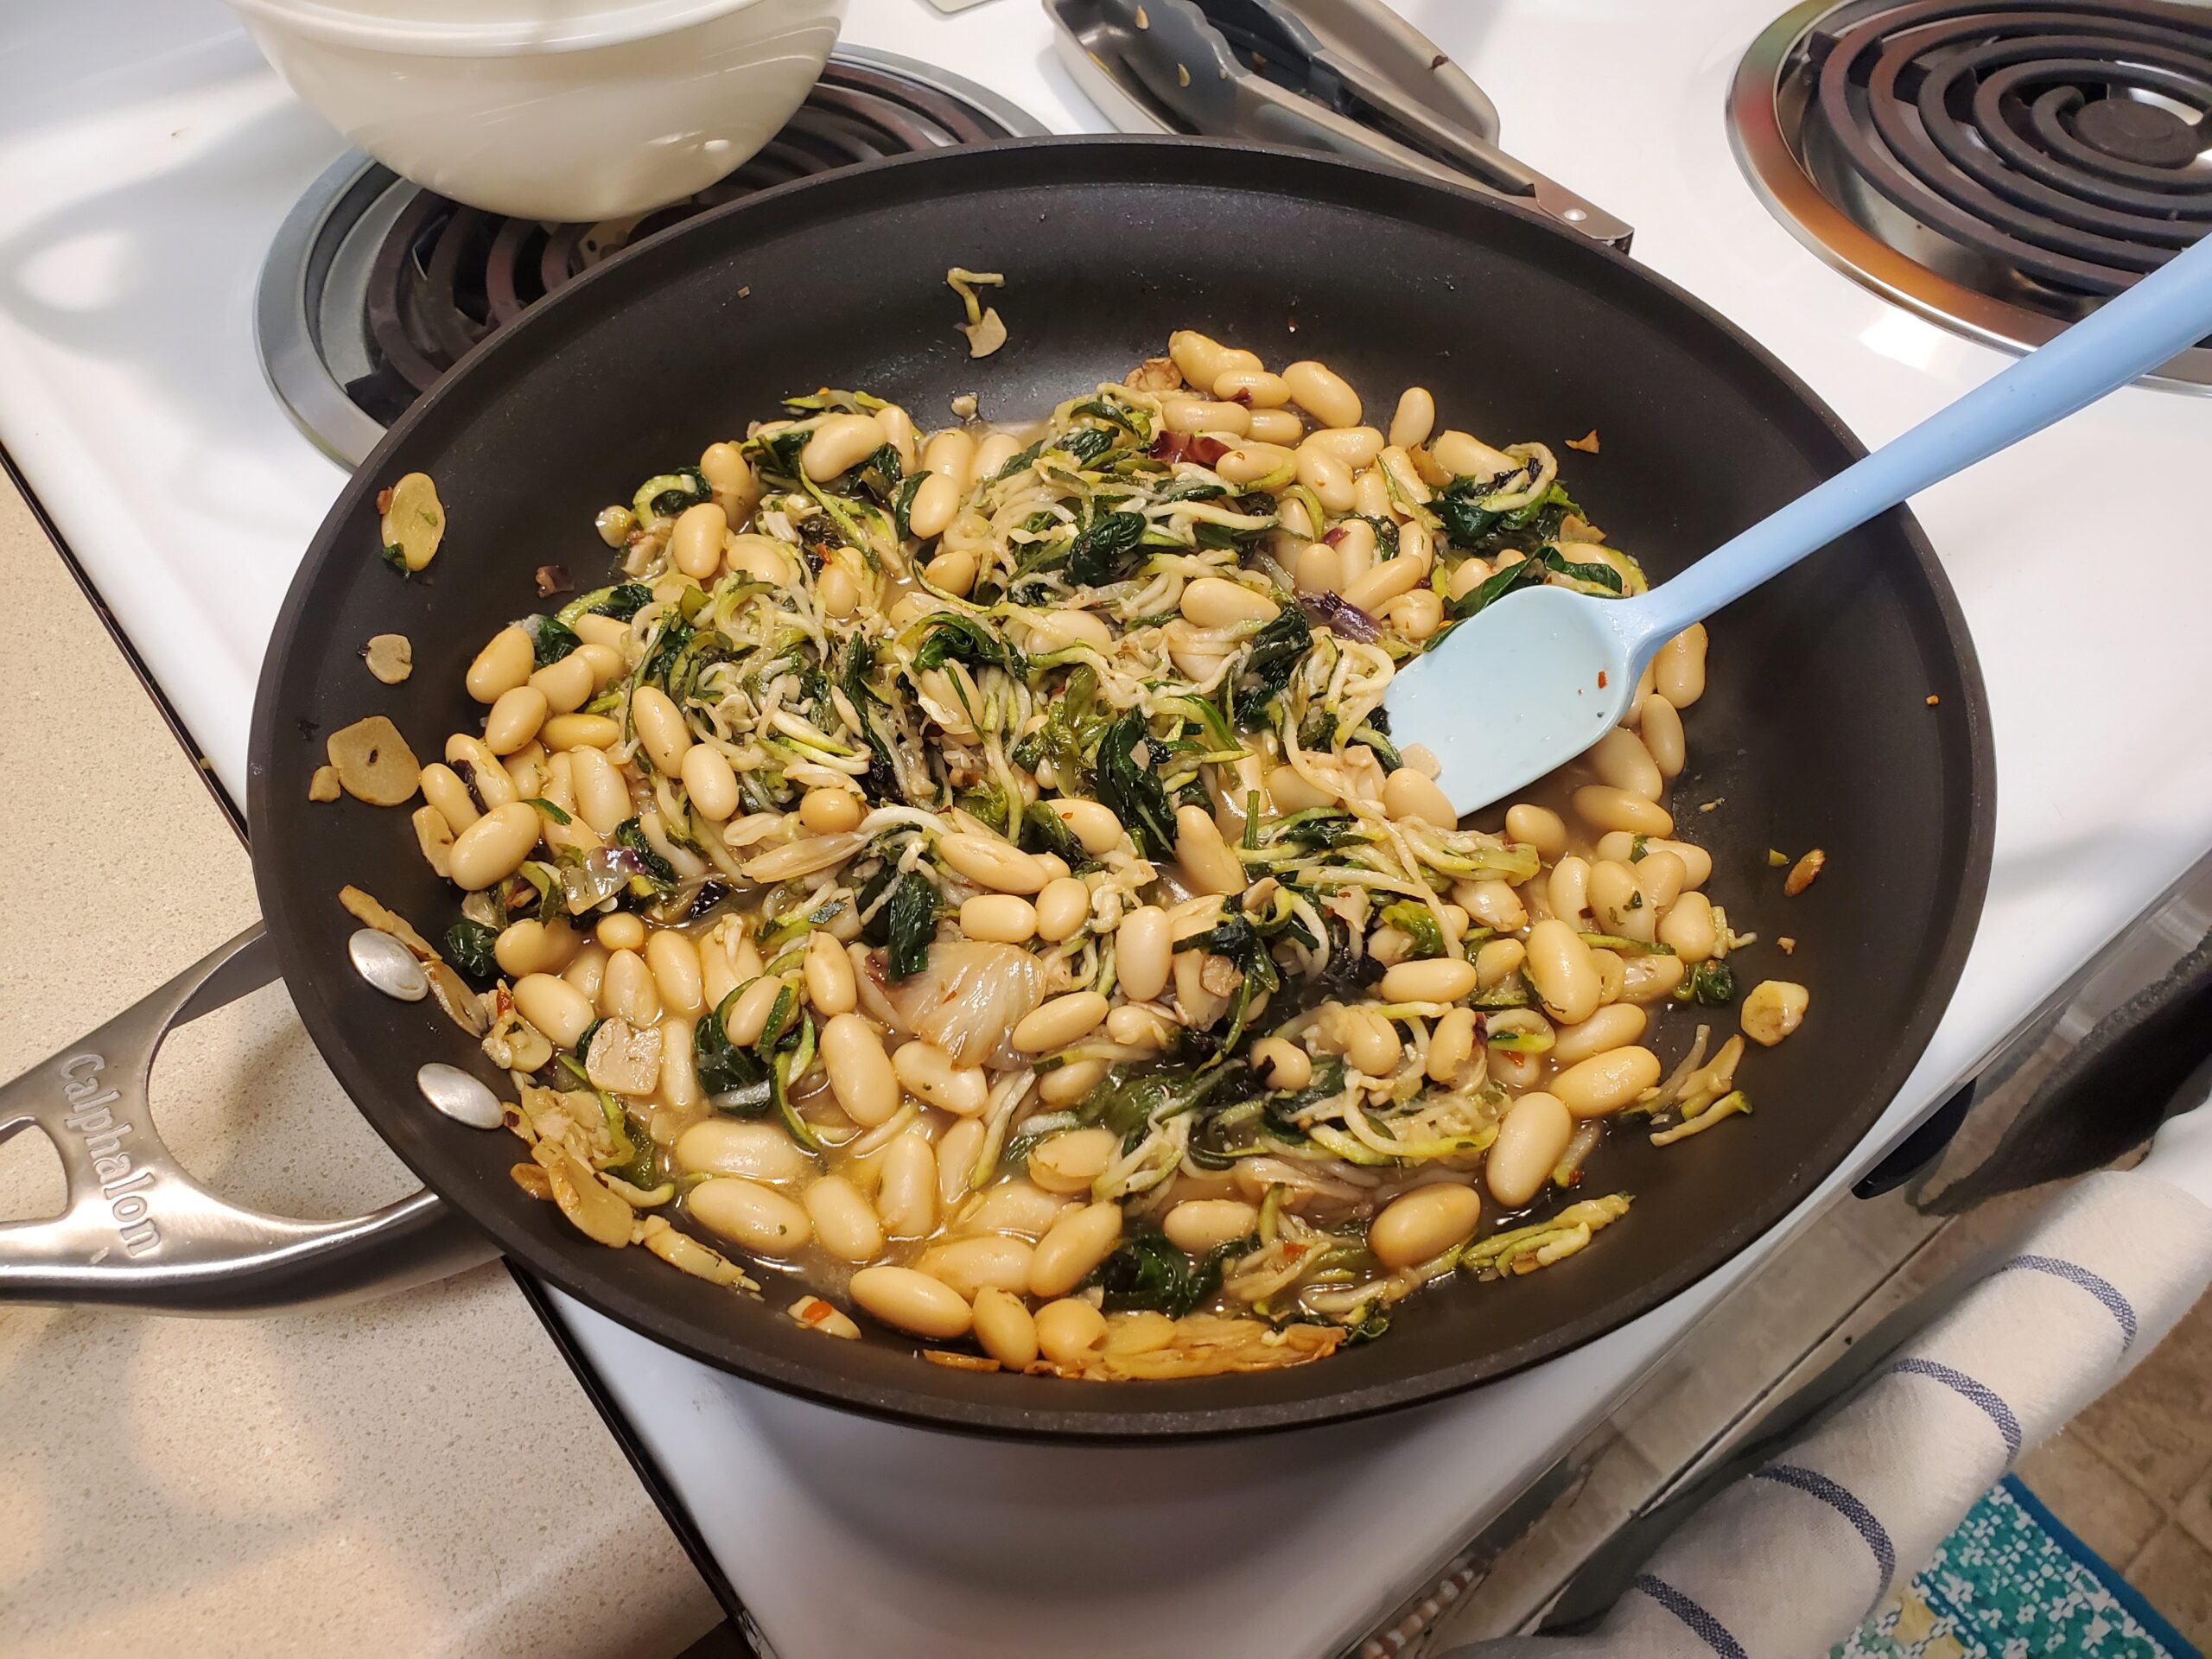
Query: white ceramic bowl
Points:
[551, 109]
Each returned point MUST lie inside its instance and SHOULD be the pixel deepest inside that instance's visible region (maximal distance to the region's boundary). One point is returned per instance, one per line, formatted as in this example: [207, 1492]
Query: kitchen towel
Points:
[1791, 1558]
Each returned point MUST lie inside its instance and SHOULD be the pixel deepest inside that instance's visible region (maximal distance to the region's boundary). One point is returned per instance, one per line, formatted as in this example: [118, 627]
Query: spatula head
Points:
[1523, 685]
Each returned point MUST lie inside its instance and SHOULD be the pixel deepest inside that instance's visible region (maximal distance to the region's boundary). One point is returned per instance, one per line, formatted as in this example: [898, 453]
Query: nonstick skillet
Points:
[1845, 710]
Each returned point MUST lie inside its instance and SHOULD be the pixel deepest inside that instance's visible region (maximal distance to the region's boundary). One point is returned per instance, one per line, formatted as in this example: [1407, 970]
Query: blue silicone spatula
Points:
[1571, 660]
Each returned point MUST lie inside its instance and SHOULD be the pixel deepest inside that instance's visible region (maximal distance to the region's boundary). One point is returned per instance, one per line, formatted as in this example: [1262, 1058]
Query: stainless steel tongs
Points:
[1349, 77]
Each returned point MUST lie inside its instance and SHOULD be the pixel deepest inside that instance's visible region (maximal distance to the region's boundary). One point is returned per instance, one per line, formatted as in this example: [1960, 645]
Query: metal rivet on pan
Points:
[388, 965]
[461, 1096]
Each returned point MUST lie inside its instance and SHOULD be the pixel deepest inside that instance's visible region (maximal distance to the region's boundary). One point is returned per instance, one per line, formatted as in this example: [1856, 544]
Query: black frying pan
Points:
[1844, 709]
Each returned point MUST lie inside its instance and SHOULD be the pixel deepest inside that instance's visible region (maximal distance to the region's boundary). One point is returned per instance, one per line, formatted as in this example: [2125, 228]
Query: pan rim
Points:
[1000, 166]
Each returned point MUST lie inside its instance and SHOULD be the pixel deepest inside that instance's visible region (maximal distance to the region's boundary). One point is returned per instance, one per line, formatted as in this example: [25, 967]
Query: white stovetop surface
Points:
[146, 158]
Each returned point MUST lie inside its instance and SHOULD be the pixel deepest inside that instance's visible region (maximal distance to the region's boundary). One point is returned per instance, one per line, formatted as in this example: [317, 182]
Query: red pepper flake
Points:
[1168, 446]
[384, 500]
[1203, 450]
[1242, 395]
[1601, 679]
[1336, 536]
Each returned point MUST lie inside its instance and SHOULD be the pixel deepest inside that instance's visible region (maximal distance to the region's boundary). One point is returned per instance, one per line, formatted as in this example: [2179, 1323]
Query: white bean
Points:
[913, 1302]
[503, 664]
[1619, 758]
[1064, 1019]
[759, 1218]
[1217, 602]
[844, 1221]
[695, 545]
[1539, 826]
[1070, 1333]
[1143, 947]
[831, 984]
[990, 863]
[660, 727]
[1613, 1027]
[927, 1072]
[1068, 1162]
[971, 1266]
[554, 1007]
[1420, 1225]
[1407, 794]
[1560, 967]
[1605, 1083]
[1678, 671]
[1414, 420]
[514, 720]
[676, 972]
[1207, 862]
[1322, 393]
[723, 1145]
[494, 848]
[839, 444]
[861, 1074]
[1606, 807]
[1437, 979]
[999, 918]
[710, 782]
[906, 1195]
[1072, 1246]
[1005, 1329]
[1532, 1137]
[1201, 1224]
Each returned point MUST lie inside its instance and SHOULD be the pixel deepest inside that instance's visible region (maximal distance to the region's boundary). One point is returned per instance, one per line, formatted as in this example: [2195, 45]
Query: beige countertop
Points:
[421, 1475]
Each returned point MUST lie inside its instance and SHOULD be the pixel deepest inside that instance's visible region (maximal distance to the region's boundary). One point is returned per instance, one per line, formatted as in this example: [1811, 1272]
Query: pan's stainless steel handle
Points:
[140, 1233]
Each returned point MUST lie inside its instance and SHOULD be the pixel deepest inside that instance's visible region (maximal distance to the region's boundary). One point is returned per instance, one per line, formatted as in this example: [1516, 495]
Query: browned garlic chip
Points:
[323, 786]
[452, 991]
[435, 835]
[414, 522]
[390, 656]
[586, 1200]
[374, 762]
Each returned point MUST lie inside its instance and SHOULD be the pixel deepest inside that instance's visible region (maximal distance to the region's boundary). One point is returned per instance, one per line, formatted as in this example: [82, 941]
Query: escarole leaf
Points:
[1096, 557]
[1086, 444]
[1041, 827]
[950, 636]
[1529, 572]
[1235, 938]
[734, 1078]
[469, 947]
[1148, 1272]
[550, 639]
[1597, 575]
[1712, 983]
[1418, 923]
[1467, 523]
[905, 922]
[1133, 793]
[656, 876]
[621, 602]
[1277, 650]
[669, 494]
[880, 782]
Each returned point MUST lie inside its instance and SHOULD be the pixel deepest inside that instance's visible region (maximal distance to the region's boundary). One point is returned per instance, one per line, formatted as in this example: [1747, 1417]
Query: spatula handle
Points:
[2129, 335]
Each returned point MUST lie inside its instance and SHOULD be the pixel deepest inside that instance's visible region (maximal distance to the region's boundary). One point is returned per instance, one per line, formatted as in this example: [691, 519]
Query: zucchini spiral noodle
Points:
[969, 874]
